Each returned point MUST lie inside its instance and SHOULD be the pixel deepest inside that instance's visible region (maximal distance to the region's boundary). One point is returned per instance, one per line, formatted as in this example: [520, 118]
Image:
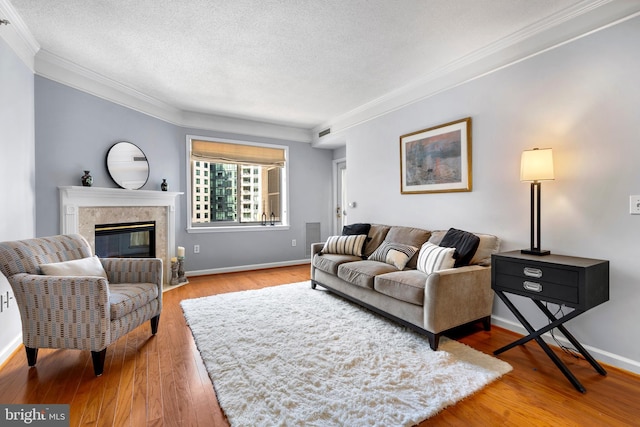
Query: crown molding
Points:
[58, 69]
[245, 127]
[17, 35]
[575, 22]
[66, 72]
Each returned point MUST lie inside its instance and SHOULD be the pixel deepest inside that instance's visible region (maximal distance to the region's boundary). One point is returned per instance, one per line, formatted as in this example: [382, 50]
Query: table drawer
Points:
[536, 288]
[537, 273]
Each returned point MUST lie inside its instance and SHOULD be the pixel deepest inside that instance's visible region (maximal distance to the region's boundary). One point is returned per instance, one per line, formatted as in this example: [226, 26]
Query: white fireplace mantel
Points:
[72, 198]
[96, 196]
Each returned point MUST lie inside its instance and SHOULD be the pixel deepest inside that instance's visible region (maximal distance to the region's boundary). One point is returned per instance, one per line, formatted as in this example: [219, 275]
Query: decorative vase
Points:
[87, 179]
[164, 186]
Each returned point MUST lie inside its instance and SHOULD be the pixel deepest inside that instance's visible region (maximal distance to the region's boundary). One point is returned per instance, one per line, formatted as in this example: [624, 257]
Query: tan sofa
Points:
[430, 304]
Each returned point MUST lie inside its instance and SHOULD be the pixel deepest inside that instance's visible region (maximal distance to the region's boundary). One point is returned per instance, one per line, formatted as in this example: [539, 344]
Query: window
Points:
[245, 181]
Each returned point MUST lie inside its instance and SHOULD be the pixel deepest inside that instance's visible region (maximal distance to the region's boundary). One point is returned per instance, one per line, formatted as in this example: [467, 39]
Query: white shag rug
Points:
[293, 356]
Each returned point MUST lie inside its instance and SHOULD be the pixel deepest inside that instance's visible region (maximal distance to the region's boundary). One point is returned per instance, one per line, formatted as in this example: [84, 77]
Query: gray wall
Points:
[17, 216]
[583, 100]
[74, 131]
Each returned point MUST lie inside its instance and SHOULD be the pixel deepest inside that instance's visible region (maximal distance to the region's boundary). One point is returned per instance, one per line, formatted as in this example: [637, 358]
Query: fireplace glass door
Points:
[126, 240]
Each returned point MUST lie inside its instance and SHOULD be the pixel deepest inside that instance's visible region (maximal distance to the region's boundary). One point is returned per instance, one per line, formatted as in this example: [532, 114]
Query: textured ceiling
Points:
[292, 62]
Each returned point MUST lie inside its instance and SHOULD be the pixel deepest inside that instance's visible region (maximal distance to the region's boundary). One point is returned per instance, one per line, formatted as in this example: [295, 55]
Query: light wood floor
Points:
[161, 380]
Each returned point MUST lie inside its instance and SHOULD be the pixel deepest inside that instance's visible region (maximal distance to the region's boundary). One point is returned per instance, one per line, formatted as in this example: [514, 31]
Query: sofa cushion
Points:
[408, 236]
[405, 285]
[437, 236]
[396, 254]
[362, 273]
[329, 262]
[465, 244]
[125, 298]
[377, 234]
[345, 245]
[434, 258]
[489, 244]
[90, 266]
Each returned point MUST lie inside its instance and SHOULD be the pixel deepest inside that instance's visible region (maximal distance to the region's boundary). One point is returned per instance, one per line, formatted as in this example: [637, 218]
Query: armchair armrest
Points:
[50, 318]
[457, 296]
[134, 270]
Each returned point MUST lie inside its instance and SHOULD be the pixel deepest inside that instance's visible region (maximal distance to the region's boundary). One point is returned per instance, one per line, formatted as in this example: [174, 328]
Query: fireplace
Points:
[81, 208]
[126, 240]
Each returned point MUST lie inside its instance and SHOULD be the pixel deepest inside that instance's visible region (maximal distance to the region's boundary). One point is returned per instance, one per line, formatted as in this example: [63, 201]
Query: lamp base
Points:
[534, 251]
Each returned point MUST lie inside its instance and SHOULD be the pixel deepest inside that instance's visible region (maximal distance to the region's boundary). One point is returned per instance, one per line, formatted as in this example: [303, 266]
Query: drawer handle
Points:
[533, 272]
[532, 286]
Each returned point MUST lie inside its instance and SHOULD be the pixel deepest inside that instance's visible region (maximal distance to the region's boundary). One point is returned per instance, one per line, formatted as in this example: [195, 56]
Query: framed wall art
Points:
[437, 159]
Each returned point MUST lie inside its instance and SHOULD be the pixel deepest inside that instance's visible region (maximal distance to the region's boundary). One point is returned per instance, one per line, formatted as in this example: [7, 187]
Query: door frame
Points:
[336, 223]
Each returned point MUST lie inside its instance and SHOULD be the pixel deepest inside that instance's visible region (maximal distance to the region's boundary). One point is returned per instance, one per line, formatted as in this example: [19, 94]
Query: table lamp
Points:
[536, 165]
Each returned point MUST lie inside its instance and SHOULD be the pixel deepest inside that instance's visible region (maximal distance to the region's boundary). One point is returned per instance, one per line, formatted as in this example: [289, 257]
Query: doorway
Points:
[340, 195]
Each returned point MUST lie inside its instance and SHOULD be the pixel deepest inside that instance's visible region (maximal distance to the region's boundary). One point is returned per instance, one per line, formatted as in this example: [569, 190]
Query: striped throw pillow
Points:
[345, 245]
[395, 254]
[434, 258]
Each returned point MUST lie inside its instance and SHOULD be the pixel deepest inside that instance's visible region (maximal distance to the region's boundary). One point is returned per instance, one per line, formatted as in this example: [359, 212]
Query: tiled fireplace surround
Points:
[81, 208]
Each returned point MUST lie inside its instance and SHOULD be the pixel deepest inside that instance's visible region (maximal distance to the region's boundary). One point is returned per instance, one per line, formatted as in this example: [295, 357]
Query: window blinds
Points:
[222, 152]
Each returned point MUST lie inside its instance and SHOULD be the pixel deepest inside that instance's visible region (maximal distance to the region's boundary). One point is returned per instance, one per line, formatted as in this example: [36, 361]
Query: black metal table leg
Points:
[536, 335]
[572, 339]
[532, 332]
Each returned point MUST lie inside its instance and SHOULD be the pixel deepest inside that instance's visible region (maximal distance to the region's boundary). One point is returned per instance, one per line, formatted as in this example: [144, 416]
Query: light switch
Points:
[634, 205]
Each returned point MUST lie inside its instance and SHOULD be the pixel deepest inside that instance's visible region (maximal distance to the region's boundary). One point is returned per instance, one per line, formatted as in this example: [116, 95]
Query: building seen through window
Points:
[233, 183]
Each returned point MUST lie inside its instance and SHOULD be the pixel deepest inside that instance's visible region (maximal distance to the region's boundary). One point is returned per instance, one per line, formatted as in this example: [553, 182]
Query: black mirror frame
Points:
[110, 172]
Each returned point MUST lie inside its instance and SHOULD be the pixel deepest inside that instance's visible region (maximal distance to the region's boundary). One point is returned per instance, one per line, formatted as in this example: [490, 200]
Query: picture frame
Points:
[437, 159]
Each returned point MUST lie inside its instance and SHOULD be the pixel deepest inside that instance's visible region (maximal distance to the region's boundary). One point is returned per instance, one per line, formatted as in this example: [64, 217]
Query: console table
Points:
[579, 283]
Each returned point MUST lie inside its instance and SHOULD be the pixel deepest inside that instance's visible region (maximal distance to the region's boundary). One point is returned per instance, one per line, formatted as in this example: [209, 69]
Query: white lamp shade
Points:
[536, 165]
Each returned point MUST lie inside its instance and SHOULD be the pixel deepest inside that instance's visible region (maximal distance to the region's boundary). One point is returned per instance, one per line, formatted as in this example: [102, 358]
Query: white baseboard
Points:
[599, 354]
[8, 350]
[246, 267]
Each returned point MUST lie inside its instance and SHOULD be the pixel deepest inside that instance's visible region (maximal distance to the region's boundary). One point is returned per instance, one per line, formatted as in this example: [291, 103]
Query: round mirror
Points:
[127, 165]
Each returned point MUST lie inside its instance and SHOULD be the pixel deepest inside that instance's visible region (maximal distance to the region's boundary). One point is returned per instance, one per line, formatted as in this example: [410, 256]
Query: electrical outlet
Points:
[196, 249]
[634, 205]
[293, 242]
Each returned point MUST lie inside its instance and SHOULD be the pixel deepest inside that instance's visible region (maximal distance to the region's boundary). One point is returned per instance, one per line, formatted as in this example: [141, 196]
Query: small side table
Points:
[579, 283]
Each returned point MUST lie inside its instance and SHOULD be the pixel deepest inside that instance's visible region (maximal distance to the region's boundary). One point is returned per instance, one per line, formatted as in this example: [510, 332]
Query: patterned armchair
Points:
[79, 312]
